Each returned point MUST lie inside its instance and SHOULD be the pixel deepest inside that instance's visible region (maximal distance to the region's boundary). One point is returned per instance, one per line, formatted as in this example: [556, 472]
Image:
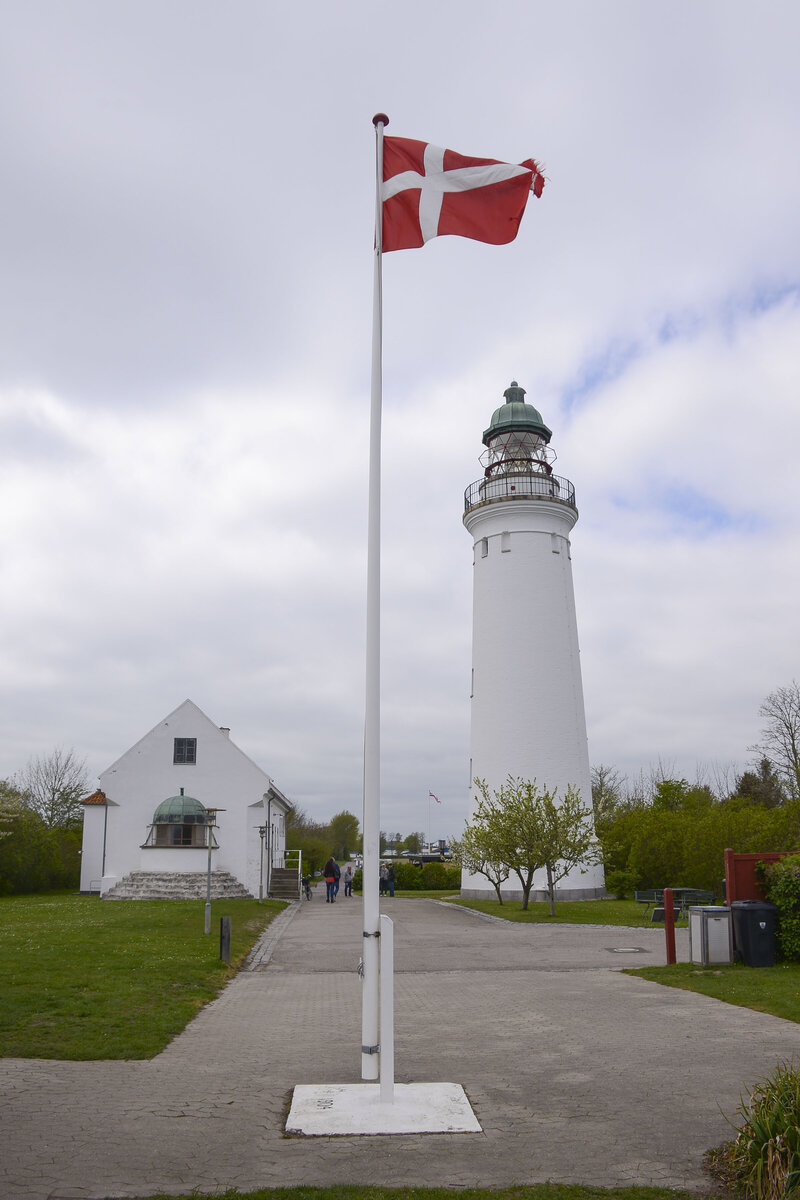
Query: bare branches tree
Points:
[53, 785]
[780, 735]
[608, 787]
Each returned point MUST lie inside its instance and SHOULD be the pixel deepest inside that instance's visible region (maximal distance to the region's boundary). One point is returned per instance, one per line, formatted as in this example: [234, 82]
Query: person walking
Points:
[384, 879]
[348, 880]
[329, 871]
[337, 874]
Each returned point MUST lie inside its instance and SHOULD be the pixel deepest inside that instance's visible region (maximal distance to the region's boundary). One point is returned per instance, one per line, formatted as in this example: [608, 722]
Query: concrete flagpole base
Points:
[323, 1110]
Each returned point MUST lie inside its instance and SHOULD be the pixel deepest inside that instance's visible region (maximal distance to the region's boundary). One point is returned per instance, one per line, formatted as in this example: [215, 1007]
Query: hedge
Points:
[408, 877]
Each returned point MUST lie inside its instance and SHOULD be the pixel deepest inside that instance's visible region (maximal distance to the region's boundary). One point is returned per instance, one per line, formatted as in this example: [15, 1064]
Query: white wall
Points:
[527, 710]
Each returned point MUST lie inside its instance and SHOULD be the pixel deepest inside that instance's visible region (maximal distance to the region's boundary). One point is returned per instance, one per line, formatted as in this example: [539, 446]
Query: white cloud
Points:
[184, 373]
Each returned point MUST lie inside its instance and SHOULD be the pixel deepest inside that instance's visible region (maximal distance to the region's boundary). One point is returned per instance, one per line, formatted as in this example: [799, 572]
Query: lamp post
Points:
[262, 829]
[211, 814]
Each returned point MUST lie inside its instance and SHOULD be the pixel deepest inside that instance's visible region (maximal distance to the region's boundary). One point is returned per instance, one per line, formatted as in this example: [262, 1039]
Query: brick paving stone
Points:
[576, 1072]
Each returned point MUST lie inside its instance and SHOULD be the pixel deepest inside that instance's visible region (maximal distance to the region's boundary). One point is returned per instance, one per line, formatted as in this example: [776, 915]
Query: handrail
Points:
[519, 485]
[287, 863]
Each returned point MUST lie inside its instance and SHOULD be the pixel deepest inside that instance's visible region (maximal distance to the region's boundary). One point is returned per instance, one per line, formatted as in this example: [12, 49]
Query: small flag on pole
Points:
[429, 192]
[436, 798]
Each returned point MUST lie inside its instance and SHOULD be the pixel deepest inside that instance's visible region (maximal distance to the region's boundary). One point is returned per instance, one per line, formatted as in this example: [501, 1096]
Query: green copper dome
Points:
[180, 810]
[516, 416]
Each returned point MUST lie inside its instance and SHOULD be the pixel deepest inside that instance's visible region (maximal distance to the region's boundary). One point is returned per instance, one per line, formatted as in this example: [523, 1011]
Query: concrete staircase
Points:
[175, 885]
[284, 884]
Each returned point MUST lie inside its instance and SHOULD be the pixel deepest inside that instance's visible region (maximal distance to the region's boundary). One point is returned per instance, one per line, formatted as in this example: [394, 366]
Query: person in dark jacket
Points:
[329, 871]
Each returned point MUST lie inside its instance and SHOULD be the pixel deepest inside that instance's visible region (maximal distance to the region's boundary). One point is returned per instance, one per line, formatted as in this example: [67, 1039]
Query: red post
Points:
[669, 926]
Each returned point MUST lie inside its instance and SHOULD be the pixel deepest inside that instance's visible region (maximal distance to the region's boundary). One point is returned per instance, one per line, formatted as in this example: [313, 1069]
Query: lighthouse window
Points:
[484, 547]
[505, 542]
[185, 750]
[555, 545]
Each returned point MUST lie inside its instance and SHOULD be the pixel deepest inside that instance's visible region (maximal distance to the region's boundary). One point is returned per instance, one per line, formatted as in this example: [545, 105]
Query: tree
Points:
[475, 852]
[344, 834]
[568, 838]
[521, 827]
[413, 842]
[761, 786]
[780, 735]
[53, 786]
[10, 807]
[607, 786]
[312, 839]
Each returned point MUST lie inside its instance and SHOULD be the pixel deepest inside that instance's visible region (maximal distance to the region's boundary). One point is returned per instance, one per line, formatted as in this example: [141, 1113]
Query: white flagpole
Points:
[370, 1047]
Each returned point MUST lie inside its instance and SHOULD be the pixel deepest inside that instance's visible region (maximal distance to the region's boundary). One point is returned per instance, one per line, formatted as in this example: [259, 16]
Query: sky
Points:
[187, 218]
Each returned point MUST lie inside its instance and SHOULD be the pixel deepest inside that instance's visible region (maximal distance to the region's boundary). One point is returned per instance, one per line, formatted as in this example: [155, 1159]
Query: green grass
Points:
[774, 990]
[541, 1191]
[91, 979]
[569, 912]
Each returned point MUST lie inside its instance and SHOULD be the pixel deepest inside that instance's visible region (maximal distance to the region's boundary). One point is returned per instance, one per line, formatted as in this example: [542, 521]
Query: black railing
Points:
[519, 485]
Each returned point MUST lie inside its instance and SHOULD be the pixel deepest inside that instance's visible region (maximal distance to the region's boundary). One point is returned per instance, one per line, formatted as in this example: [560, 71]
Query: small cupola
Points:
[179, 821]
[517, 438]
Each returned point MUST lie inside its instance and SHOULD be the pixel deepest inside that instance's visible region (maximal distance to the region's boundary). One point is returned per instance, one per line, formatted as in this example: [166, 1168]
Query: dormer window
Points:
[185, 750]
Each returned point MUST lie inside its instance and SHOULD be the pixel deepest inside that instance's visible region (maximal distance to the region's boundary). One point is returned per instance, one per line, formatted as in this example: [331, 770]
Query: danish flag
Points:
[428, 192]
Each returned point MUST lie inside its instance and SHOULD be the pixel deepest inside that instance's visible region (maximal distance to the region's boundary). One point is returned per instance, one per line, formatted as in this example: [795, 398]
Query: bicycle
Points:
[307, 886]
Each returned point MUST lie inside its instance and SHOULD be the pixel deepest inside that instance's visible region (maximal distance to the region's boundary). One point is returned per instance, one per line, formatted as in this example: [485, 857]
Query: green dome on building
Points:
[515, 416]
[180, 810]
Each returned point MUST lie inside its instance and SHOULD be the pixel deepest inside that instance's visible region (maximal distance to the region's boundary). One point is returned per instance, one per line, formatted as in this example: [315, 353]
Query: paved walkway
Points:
[577, 1073]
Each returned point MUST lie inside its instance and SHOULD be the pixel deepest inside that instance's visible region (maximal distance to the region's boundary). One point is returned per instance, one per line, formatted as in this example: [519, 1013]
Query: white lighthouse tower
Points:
[527, 713]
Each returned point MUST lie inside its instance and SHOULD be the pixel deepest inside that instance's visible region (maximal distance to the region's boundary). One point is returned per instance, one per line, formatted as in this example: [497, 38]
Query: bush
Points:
[782, 887]
[764, 1159]
[35, 858]
[408, 877]
[621, 884]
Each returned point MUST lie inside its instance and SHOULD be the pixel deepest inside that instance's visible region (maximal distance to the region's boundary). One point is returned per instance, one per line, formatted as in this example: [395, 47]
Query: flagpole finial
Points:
[380, 119]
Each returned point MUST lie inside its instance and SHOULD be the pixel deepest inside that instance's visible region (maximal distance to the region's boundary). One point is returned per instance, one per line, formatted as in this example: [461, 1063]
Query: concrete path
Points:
[576, 1072]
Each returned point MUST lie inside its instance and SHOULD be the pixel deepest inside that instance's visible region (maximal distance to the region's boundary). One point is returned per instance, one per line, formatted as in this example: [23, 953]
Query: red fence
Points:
[740, 873]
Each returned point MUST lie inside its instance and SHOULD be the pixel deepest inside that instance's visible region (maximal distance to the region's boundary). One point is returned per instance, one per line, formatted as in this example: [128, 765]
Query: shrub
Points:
[782, 886]
[621, 884]
[409, 877]
[764, 1158]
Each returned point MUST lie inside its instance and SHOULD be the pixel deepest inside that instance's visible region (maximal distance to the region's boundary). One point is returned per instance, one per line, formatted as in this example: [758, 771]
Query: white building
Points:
[151, 815]
[527, 713]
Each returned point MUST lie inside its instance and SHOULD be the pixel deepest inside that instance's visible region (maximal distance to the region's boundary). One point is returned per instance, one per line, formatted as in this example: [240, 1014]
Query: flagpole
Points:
[370, 997]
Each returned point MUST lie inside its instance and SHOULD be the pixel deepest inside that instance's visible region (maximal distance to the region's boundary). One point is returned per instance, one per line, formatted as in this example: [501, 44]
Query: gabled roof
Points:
[214, 730]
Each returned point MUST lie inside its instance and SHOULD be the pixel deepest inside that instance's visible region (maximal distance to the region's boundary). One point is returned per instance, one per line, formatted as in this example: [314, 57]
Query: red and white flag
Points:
[436, 798]
[428, 192]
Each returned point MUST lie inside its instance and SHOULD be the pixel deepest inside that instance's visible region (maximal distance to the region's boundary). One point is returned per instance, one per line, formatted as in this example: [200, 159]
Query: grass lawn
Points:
[568, 912]
[774, 990]
[85, 978]
[541, 1191]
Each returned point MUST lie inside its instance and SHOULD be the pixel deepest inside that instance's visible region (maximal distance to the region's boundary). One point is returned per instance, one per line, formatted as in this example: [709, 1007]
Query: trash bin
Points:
[754, 932]
[710, 934]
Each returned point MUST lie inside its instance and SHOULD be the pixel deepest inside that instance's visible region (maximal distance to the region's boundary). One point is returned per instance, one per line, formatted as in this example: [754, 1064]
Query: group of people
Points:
[386, 879]
[333, 877]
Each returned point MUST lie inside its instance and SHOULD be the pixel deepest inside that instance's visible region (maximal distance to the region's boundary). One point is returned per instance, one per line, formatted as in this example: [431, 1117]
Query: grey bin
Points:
[710, 935]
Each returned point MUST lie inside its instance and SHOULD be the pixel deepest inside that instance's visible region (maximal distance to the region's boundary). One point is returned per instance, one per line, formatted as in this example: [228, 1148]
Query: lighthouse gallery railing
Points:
[519, 485]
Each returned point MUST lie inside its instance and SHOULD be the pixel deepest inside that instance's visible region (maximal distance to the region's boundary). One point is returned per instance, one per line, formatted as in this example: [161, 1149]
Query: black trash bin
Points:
[754, 932]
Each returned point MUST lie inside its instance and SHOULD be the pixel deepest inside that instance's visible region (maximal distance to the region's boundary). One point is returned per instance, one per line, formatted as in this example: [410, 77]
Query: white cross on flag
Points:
[429, 192]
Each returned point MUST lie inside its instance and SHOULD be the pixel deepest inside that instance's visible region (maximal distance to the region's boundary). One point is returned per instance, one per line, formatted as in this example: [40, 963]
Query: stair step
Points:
[164, 885]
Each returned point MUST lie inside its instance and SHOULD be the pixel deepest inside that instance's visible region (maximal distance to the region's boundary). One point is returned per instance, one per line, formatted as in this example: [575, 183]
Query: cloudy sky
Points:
[185, 315]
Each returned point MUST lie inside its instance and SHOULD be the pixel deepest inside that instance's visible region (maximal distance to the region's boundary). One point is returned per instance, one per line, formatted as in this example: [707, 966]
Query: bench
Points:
[682, 900]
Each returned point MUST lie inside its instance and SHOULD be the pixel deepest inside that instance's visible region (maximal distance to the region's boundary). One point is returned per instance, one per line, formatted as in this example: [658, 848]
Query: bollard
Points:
[225, 939]
[669, 926]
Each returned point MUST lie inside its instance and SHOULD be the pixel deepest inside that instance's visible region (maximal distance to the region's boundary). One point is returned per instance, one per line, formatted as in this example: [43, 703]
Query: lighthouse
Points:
[527, 711]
